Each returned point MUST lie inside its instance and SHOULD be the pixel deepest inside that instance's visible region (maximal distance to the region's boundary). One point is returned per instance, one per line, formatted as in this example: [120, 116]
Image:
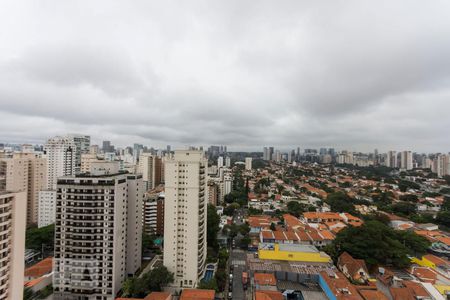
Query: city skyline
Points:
[183, 74]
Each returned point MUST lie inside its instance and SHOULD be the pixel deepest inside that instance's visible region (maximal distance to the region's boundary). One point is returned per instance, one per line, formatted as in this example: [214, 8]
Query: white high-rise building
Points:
[13, 207]
[441, 165]
[227, 162]
[406, 161]
[248, 163]
[61, 154]
[185, 213]
[61, 159]
[220, 162]
[98, 235]
[277, 155]
[227, 184]
[391, 160]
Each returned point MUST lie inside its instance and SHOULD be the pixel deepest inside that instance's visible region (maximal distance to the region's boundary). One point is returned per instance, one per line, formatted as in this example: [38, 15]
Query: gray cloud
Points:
[345, 74]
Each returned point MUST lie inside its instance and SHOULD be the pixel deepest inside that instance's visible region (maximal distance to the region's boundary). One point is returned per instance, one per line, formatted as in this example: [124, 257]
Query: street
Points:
[238, 261]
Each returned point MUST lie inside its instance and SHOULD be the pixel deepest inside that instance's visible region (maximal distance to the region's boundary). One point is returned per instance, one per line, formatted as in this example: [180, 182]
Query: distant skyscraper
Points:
[227, 162]
[82, 144]
[248, 163]
[323, 151]
[266, 155]
[391, 160]
[150, 168]
[277, 156]
[168, 148]
[220, 162]
[12, 239]
[185, 216]
[98, 235]
[107, 147]
[406, 160]
[137, 150]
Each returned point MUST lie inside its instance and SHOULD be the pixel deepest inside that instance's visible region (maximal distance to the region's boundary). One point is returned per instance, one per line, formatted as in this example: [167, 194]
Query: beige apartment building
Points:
[12, 244]
[98, 234]
[185, 213]
[24, 171]
[150, 166]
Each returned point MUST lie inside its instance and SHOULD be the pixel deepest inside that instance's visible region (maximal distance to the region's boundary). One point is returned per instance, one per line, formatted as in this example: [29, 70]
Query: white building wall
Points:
[46, 210]
[185, 217]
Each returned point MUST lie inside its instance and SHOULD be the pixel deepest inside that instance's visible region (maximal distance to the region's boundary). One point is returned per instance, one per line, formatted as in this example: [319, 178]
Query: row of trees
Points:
[40, 238]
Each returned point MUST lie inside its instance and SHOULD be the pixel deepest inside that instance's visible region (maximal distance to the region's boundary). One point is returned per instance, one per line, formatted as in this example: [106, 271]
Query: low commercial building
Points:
[292, 252]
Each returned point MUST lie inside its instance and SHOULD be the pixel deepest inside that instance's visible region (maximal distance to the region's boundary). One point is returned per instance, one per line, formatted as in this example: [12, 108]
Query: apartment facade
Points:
[150, 166]
[98, 235]
[12, 244]
[154, 214]
[185, 214]
[24, 171]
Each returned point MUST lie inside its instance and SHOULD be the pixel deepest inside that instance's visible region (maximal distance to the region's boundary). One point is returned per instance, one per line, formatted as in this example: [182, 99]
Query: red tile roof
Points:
[196, 294]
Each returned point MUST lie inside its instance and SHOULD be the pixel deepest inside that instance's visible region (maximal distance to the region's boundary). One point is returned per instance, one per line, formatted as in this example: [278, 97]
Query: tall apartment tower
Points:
[185, 214]
[391, 160]
[154, 214]
[82, 145]
[220, 162]
[61, 159]
[406, 161]
[227, 162]
[248, 163]
[98, 235]
[150, 168]
[12, 238]
[25, 171]
[61, 154]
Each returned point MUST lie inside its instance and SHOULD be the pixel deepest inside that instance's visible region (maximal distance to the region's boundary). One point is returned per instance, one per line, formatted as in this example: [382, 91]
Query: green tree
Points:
[340, 202]
[447, 179]
[404, 185]
[230, 209]
[377, 244]
[152, 281]
[38, 237]
[409, 198]
[446, 204]
[295, 208]
[404, 208]
[209, 285]
[272, 227]
[28, 294]
[221, 279]
[213, 222]
[443, 218]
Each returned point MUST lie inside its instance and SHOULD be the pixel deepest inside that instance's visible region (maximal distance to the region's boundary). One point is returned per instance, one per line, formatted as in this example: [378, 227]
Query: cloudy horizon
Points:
[354, 75]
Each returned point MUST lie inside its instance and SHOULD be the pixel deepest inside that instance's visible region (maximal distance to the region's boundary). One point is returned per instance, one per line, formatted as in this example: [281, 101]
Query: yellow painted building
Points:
[292, 252]
[428, 260]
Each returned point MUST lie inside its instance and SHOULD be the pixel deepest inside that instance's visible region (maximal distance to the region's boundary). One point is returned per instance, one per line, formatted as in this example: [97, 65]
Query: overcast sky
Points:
[354, 75]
